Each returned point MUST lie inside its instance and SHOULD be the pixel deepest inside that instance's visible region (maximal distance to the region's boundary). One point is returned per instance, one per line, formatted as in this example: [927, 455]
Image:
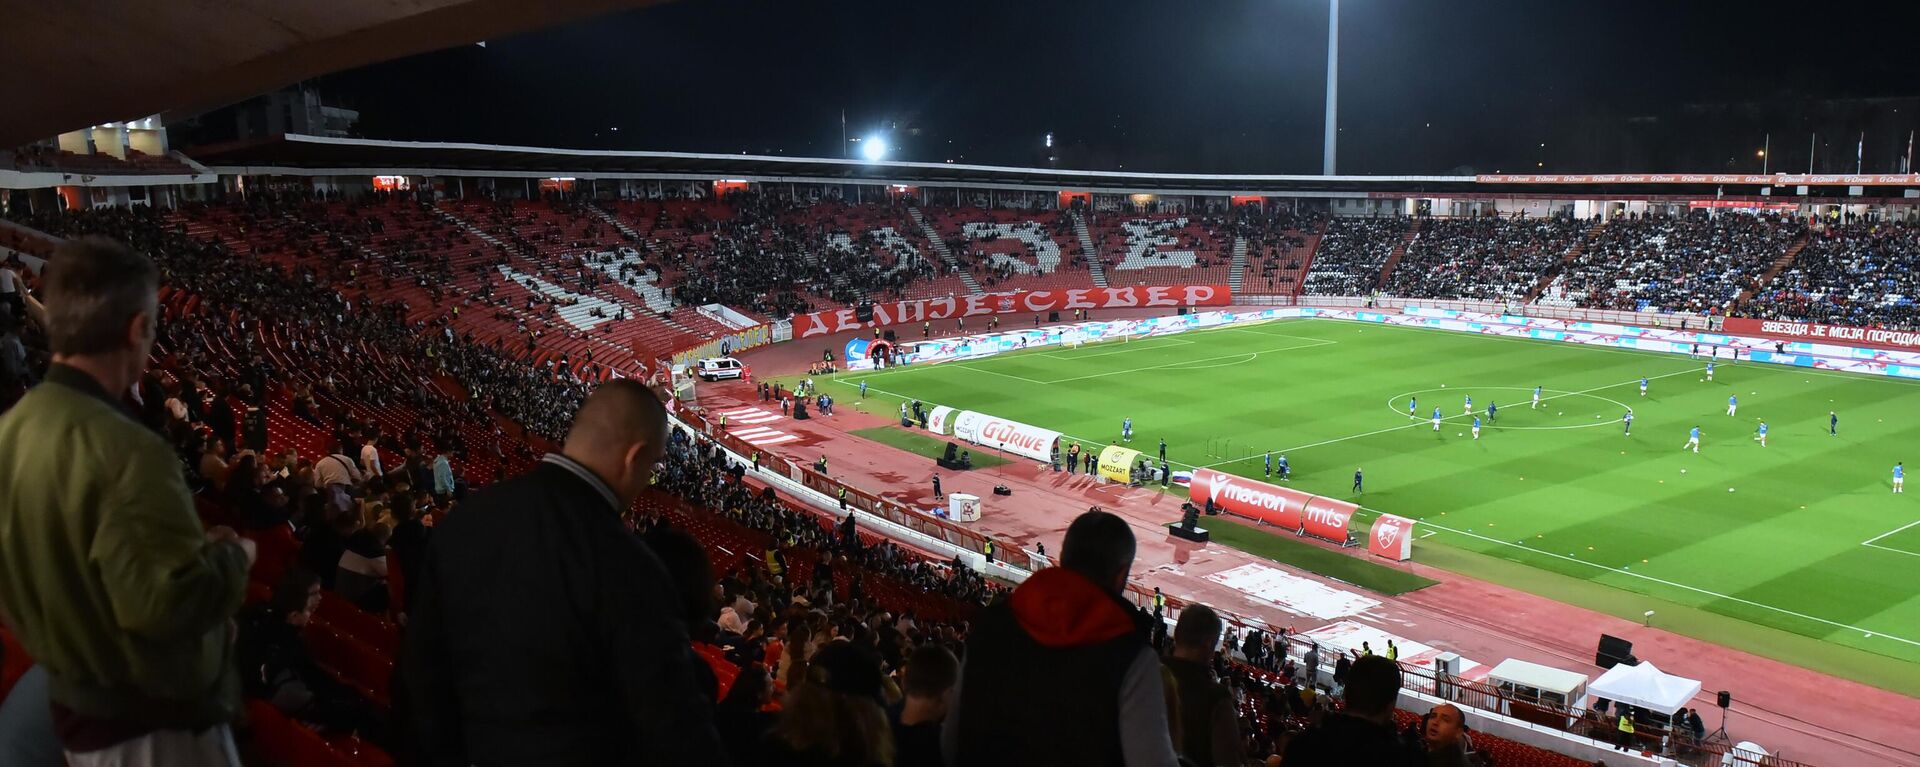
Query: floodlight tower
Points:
[1333, 85]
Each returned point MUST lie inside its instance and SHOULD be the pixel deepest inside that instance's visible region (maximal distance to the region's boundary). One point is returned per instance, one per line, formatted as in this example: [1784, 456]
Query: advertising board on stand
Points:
[1034, 301]
[1000, 434]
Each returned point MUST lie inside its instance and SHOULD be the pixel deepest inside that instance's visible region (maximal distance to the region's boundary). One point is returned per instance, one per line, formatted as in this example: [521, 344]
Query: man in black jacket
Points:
[1060, 673]
[1362, 732]
[544, 632]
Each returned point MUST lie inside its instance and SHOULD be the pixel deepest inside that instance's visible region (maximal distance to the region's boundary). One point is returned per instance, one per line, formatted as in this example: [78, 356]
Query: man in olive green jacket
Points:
[105, 573]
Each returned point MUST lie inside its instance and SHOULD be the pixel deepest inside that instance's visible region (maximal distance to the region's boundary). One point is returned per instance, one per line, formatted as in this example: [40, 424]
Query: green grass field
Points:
[1802, 536]
[919, 443]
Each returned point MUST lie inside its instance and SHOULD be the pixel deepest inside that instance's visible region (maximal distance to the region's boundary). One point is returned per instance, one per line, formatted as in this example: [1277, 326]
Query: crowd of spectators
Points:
[1490, 258]
[1352, 253]
[998, 251]
[1861, 273]
[1695, 263]
[864, 683]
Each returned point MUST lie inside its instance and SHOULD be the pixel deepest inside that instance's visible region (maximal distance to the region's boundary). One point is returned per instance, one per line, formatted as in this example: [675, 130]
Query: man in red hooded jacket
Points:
[1060, 672]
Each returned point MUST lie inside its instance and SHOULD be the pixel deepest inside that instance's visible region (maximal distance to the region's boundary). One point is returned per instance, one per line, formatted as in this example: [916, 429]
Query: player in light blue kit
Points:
[1476, 427]
[1412, 403]
[1761, 435]
[1693, 440]
[1643, 386]
[1126, 430]
[1628, 420]
[1733, 404]
[1536, 398]
[1436, 419]
[1709, 370]
[1469, 410]
[1286, 471]
[1899, 478]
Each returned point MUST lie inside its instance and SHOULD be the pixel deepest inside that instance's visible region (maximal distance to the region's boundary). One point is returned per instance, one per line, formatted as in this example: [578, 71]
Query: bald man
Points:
[544, 632]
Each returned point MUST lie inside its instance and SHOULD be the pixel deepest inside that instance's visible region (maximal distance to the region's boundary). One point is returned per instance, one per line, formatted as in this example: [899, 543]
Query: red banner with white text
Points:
[1327, 518]
[1839, 335]
[1274, 505]
[1034, 301]
[1391, 537]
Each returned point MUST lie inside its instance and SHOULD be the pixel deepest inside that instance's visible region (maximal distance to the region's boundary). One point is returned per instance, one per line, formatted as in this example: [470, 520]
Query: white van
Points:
[717, 368]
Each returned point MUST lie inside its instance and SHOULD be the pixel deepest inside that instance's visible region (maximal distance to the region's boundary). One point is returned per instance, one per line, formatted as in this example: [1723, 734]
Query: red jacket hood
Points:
[1062, 608]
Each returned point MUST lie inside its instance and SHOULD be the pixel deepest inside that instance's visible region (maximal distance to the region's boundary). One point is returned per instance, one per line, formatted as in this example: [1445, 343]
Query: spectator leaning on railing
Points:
[105, 572]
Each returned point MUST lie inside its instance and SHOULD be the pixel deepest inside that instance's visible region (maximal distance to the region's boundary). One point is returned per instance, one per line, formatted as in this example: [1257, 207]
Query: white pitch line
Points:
[1425, 422]
[1869, 541]
[1189, 362]
[1664, 582]
[1892, 549]
[1164, 342]
[998, 373]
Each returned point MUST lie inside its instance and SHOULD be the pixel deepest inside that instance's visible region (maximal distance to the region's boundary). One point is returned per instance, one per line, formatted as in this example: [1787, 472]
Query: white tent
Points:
[1644, 686]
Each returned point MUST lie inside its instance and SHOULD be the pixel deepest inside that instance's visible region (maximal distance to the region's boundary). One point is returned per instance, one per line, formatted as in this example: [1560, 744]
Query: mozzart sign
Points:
[1280, 507]
[1879, 338]
[1034, 301]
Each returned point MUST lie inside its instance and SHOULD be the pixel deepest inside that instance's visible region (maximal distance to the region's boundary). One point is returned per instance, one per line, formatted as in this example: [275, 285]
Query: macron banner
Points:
[1276, 506]
[940, 419]
[1116, 463]
[1391, 537]
[1034, 301]
[1897, 340]
[1012, 436]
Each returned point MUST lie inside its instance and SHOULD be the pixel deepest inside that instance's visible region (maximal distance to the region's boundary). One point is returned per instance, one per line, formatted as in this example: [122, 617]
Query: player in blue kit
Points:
[1628, 420]
[1709, 370]
[1536, 398]
[1476, 427]
[1733, 404]
[1436, 419]
[1493, 412]
[1833, 424]
[1412, 403]
[1269, 463]
[1643, 386]
[1761, 435]
[1693, 440]
[1469, 410]
[1899, 478]
[1286, 471]
[1126, 430]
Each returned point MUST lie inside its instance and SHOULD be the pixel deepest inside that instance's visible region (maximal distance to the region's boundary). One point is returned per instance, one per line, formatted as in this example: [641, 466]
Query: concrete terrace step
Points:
[1098, 270]
[946, 254]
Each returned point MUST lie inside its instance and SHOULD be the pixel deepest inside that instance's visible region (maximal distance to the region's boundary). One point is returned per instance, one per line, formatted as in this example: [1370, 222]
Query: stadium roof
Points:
[72, 65]
[299, 155]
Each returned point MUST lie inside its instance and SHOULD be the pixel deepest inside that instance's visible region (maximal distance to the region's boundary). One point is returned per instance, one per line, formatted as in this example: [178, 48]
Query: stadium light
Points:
[874, 148]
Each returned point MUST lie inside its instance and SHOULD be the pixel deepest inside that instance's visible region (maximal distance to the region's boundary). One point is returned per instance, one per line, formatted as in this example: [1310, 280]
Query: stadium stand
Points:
[1695, 263]
[1352, 253]
[1849, 274]
[257, 318]
[1011, 249]
[1484, 258]
[1163, 249]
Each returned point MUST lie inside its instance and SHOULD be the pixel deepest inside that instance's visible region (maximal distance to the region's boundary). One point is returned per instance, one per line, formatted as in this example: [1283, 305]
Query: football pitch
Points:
[1802, 535]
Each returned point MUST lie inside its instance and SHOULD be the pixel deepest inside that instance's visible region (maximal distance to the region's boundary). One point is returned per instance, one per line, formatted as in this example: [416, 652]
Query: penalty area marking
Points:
[1872, 542]
[1255, 354]
[1149, 343]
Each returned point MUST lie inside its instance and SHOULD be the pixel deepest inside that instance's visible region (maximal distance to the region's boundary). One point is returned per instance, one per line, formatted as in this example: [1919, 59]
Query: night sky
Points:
[1426, 86]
